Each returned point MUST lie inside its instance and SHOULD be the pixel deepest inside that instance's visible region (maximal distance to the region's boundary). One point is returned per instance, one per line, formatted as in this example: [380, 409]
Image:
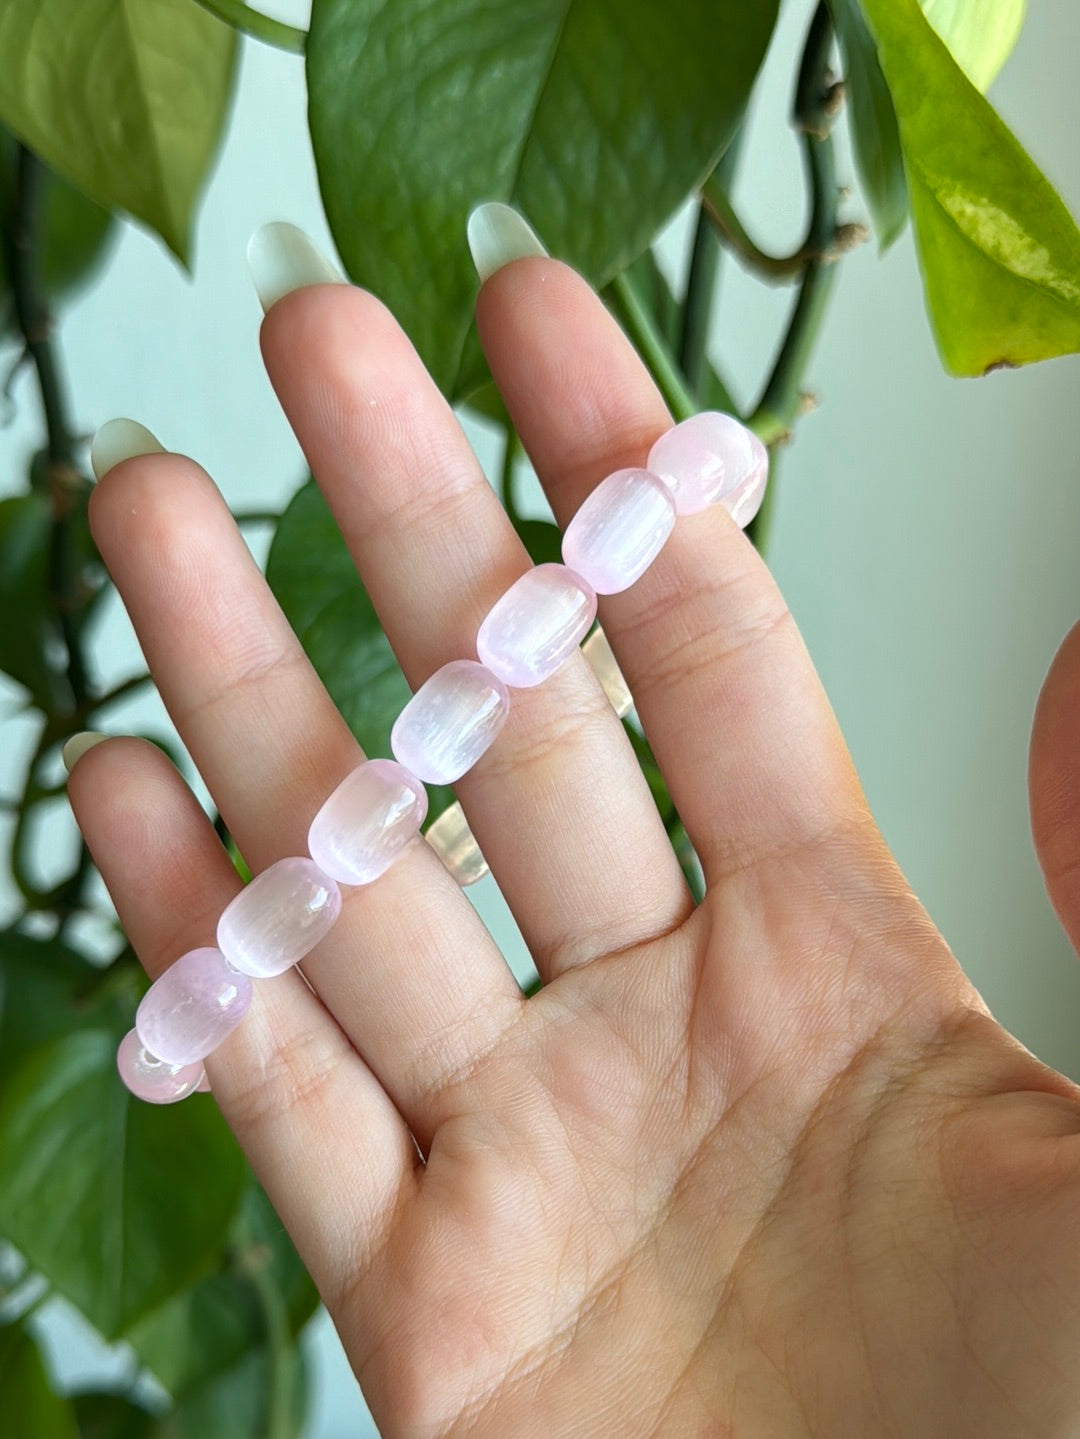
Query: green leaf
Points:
[312, 574]
[595, 117]
[543, 541]
[979, 33]
[47, 991]
[119, 1204]
[200, 1335]
[112, 1416]
[25, 533]
[236, 1404]
[28, 1407]
[1000, 253]
[875, 135]
[75, 235]
[126, 98]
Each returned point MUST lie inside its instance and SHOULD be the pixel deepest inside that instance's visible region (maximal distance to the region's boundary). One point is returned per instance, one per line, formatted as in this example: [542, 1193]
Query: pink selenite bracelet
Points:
[451, 720]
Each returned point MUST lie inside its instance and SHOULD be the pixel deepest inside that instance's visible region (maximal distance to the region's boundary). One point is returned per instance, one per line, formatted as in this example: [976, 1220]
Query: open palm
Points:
[762, 1167]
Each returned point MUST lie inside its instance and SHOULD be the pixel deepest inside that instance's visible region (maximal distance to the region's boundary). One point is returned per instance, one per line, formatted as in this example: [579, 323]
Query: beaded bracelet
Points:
[451, 720]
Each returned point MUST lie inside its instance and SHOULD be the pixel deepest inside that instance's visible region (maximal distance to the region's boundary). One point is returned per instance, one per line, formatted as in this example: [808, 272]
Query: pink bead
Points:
[192, 1007]
[537, 624]
[150, 1078]
[450, 722]
[619, 530]
[281, 915]
[745, 501]
[367, 822]
[708, 459]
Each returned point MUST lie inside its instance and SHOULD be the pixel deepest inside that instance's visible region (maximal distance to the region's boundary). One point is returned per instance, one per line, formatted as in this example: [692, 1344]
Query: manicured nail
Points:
[283, 259]
[497, 235]
[77, 746]
[121, 440]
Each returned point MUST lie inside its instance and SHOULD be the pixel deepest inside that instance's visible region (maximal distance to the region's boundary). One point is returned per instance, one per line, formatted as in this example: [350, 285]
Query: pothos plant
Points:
[598, 119]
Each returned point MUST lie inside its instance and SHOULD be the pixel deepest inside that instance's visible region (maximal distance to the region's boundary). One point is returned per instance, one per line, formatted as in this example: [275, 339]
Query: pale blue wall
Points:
[926, 535]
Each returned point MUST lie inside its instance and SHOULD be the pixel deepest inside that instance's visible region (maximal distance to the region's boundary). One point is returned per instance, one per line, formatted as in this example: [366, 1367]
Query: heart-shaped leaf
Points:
[28, 1407]
[127, 98]
[96, 1187]
[47, 990]
[594, 117]
[202, 1333]
[312, 574]
[1000, 253]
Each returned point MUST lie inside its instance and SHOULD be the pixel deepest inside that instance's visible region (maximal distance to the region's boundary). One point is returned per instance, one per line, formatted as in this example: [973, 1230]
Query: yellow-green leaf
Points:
[1000, 253]
[126, 98]
[979, 33]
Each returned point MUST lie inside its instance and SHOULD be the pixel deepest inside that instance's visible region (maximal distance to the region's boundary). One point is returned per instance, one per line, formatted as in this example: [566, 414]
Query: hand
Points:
[762, 1167]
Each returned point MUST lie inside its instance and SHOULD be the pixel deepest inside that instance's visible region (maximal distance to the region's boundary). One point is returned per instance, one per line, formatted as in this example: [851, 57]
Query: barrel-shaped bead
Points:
[150, 1078]
[745, 500]
[367, 822]
[192, 1007]
[281, 915]
[708, 459]
[536, 625]
[451, 720]
[619, 530]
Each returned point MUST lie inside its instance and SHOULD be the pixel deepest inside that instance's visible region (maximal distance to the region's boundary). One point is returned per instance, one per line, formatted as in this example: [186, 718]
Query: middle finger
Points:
[559, 805]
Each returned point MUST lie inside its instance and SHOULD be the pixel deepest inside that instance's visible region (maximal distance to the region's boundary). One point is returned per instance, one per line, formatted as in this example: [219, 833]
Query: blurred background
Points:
[926, 533]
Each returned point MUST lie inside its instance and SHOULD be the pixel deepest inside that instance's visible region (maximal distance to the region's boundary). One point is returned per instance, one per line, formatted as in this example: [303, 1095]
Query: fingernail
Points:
[497, 235]
[283, 259]
[77, 746]
[121, 440]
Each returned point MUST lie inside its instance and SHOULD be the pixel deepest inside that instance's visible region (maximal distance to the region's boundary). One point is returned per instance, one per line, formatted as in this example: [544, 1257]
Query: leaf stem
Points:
[631, 310]
[254, 23]
[774, 268]
[119, 692]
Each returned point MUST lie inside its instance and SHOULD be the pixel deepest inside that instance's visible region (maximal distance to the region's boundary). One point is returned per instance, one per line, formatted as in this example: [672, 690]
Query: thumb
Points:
[1054, 783]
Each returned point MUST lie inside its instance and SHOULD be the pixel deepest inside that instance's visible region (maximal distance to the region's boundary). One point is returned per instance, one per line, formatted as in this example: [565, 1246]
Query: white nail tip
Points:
[119, 440]
[77, 746]
[498, 234]
[283, 259]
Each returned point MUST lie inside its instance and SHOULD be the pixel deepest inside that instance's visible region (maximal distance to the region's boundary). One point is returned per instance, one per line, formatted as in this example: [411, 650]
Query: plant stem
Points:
[698, 305]
[650, 343]
[254, 1263]
[19, 235]
[815, 111]
[507, 483]
[261, 27]
[21, 238]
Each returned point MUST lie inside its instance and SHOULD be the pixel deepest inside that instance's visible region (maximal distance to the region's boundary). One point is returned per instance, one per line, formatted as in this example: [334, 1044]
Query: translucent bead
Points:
[450, 722]
[708, 459]
[152, 1079]
[192, 1007]
[745, 500]
[536, 626]
[367, 821]
[281, 915]
[619, 530]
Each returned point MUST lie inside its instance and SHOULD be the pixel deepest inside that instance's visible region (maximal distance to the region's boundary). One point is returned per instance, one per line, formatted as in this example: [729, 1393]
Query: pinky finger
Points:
[287, 1080]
